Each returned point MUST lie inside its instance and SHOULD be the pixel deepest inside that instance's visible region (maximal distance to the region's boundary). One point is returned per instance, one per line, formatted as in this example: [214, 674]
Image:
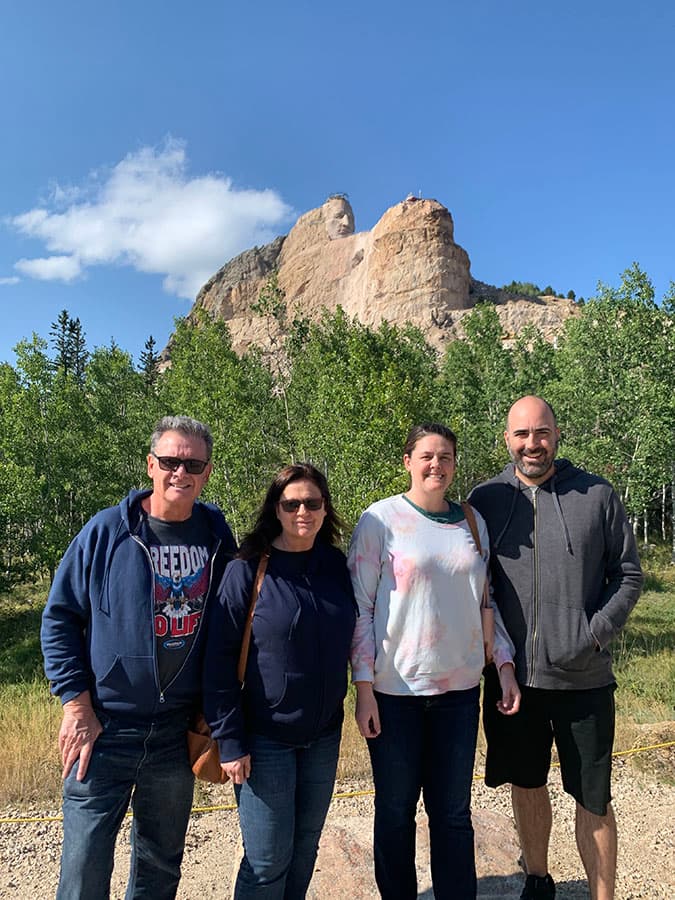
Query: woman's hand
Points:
[367, 714]
[237, 770]
[510, 702]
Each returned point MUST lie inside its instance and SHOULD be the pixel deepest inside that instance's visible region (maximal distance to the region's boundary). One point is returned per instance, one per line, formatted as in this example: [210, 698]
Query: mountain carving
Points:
[408, 269]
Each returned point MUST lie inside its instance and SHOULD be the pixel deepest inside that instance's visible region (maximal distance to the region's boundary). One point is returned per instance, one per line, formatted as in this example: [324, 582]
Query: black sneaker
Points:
[538, 888]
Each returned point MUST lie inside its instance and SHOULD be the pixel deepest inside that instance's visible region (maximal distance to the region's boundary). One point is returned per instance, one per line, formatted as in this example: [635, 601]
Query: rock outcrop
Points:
[408, 269]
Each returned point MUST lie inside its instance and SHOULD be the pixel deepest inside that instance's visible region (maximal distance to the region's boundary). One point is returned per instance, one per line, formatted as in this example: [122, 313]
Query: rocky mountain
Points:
[407, 269]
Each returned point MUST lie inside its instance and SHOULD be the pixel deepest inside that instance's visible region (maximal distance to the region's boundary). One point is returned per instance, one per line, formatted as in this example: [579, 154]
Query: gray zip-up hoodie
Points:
[565, 573]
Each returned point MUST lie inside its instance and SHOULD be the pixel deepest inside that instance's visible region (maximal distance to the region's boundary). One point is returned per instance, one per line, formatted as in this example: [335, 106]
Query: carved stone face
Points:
[338, 218]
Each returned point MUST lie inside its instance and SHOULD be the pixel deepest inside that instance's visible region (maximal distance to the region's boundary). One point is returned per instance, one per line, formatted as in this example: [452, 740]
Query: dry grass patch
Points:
[29, 761]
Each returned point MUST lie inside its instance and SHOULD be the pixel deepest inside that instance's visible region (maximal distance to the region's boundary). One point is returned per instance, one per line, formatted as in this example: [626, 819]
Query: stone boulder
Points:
[408, 269]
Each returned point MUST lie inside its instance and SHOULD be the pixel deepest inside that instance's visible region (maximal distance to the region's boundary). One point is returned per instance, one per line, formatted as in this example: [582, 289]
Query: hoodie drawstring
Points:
[518, 487]
[558, 509]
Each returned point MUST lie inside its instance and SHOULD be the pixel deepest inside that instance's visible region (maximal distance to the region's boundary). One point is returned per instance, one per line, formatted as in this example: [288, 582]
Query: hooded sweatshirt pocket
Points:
[567, 642]
[126, 677]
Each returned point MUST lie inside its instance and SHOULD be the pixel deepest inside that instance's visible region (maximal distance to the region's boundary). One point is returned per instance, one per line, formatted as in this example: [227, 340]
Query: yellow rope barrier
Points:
[644, 749]
[344, 795]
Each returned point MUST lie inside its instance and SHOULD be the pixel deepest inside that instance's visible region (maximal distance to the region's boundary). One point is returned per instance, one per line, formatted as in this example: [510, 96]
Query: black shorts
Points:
[519, 746]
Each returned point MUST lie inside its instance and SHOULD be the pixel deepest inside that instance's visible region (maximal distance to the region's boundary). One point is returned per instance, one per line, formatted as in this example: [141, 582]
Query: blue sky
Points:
[146, 143]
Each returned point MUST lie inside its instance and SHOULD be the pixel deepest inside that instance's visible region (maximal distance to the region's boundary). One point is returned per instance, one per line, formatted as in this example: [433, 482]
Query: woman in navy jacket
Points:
[279, 736]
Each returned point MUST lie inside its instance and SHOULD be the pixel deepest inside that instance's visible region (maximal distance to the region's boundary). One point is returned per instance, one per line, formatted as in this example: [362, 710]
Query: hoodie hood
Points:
[131, 513]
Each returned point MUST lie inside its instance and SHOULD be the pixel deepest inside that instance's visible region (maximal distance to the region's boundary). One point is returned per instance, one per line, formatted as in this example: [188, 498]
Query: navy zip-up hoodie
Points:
[565, 573]
[296, 674]
[98, 625]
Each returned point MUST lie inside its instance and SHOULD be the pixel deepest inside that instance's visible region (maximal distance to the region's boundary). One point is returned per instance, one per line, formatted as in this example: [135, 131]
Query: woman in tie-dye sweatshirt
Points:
[417, 657]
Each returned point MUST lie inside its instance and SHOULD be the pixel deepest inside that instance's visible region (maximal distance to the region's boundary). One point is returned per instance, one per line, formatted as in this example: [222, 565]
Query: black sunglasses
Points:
[173, 463]
[291, 506]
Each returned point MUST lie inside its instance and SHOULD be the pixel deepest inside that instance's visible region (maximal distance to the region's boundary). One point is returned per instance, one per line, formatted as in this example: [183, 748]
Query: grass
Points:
[20, 612]
[644, 662]
[29, 718]
[29, 724]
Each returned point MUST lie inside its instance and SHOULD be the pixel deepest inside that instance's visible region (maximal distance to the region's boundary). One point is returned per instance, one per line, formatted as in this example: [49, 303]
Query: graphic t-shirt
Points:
[180, 554]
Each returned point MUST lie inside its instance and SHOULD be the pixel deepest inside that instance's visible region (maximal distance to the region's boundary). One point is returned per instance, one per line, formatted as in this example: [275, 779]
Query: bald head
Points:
[529, 405]
[532, 437]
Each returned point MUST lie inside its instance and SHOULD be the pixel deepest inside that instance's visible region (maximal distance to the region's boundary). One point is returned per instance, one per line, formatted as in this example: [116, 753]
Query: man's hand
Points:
[238, 770]
[367, 713]
[510, 702]
[78, 733]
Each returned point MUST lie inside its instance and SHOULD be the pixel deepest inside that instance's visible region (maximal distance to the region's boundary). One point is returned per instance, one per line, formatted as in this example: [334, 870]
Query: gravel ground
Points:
[644, 806]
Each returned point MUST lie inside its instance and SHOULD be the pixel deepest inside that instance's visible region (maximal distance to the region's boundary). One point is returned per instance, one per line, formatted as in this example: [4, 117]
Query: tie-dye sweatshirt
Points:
[418, 584]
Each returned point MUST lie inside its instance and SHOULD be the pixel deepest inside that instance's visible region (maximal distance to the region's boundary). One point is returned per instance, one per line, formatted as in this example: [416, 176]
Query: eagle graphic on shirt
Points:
[181, 584]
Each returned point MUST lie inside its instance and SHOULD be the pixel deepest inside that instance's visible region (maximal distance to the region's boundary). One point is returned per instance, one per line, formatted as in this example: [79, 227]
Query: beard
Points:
[534, 468]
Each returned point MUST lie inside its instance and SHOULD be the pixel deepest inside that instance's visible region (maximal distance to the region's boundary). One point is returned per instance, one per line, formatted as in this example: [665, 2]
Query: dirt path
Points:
[644, 806]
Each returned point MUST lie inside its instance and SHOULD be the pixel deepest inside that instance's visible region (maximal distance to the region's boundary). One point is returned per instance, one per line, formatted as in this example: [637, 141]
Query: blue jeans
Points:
[282, 808]
[427, 744]
[149, 765]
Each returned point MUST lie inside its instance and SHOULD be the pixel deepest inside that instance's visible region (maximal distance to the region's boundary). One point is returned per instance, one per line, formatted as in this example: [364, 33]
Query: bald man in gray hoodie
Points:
[565, 574]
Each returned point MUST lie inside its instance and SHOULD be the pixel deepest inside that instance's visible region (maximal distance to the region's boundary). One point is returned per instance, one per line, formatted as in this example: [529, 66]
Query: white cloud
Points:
[146, 212]
[11, 280]
[50, 268]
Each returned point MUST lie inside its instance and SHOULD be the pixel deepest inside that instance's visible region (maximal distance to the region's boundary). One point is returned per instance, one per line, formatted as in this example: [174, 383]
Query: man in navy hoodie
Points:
[122, 638]
[565, 574]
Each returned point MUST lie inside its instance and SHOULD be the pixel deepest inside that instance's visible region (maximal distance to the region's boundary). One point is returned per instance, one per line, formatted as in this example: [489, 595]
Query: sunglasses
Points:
[312, 503]
[173, 463]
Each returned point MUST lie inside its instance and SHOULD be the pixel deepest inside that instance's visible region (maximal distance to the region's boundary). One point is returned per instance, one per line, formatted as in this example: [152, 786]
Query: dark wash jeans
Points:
[427, 744]
[282, 809]
[149, 765]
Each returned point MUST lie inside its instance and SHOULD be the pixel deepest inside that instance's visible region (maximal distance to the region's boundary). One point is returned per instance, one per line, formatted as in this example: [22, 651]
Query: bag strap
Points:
[246, 639]
[470, 517]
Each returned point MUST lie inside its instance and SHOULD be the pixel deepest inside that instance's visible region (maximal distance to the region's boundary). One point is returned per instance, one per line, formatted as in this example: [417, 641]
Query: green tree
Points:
[121, 414]
[533, 363]
[235, 396]
[353, 394]
[68, 341]
[475, 390]
[22, 489]
[522, 287]
[20, 504]
[50, 421]
[149, 361]
[271, 306]
[614, 393]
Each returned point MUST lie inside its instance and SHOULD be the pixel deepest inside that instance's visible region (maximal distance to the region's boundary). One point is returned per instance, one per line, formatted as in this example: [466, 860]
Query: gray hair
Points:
[185, 426]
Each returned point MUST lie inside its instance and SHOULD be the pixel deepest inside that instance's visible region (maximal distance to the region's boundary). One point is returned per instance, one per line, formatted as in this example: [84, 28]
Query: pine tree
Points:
[148, 364]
